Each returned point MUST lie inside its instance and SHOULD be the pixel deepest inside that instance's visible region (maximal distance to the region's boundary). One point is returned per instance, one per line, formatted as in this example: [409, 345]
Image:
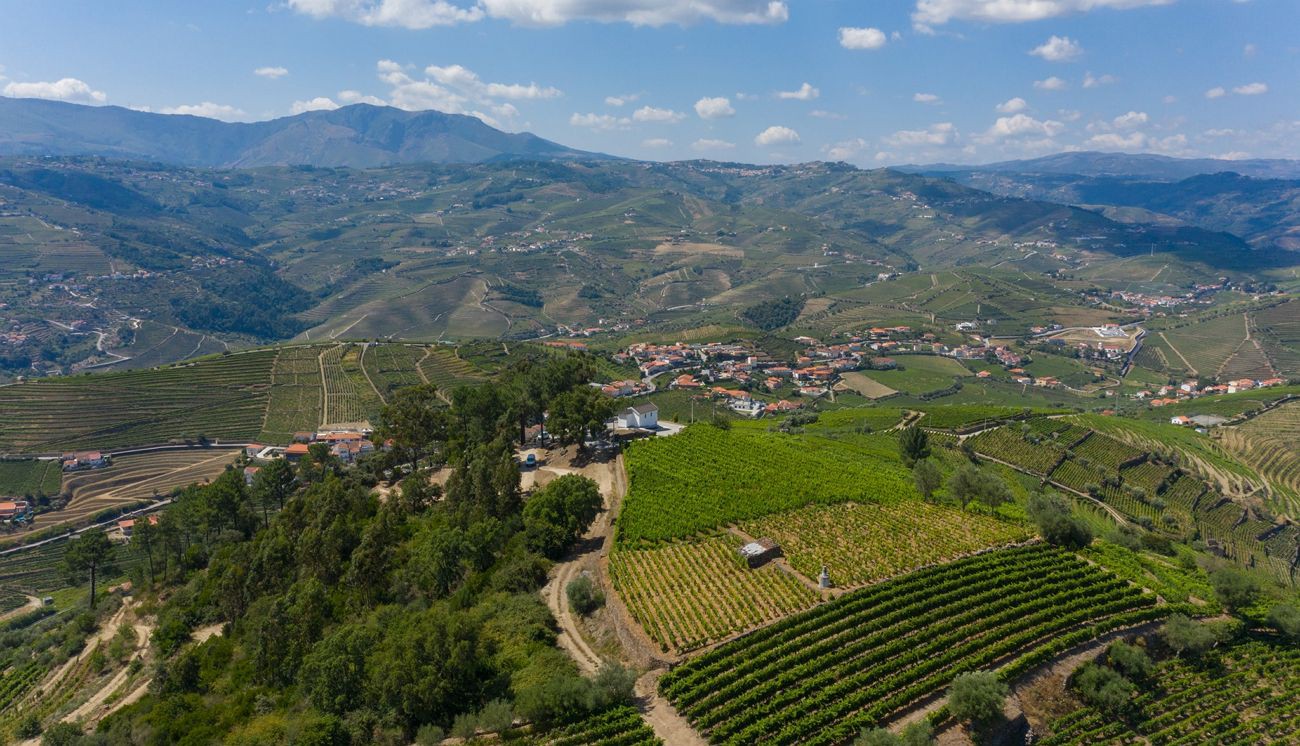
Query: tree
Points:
[1103, 687]
[273, 485]
[977, 696]
[584, 595]
[88, 557]
[1236, 588]
[556, 516]
[1185, 635]
[1055, 521]
[1286, 618]
[416, 421]
[913, 445]
[927, 478]
[971, 483]
[1130, 660]
[577, 413]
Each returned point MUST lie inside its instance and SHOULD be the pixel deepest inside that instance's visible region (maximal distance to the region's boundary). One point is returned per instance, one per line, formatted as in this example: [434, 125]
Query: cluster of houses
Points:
[1166, 395]
[346, 445]
[622, 389]
[127, 525]
[85, 460]
[16, 512]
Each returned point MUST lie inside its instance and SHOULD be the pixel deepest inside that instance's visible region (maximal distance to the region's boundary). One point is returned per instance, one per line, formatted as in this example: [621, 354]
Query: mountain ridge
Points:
[1130, 165]
[359, 136]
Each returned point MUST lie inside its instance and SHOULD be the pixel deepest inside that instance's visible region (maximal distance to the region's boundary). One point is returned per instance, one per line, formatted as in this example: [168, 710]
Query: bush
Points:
[1286, 618]
[1235, 588]
[429, 735]
[1056, 524]
[1130, 660]
[1104, 688]
[977, 696]
[1185, 635]
[613, 685]
[916, 734]
[496, 716]
[584, 596]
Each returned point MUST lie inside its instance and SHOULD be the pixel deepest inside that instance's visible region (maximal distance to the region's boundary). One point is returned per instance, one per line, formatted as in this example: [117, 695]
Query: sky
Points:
[871, 82]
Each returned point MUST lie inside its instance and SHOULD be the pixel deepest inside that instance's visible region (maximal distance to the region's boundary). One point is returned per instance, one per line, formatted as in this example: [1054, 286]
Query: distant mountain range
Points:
[1124, 165]
[358, 136]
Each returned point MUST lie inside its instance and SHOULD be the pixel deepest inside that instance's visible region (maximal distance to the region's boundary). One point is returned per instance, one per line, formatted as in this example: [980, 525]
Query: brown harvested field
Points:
[715, 249]
[135, 478]
[1088, 336]
[868, 387]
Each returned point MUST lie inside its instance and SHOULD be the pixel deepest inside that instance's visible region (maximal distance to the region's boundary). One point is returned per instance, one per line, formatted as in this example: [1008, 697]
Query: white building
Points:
[639, 417]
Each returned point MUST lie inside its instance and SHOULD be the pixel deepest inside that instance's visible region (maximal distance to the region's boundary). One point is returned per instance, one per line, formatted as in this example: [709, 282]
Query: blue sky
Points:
[873, 82]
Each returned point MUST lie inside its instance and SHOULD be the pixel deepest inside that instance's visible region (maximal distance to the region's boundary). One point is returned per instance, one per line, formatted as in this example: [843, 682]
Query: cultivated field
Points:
[30, 477]
[862, 543]
[690, 593]
[295, 401]
[920, 374]
[820, 676]
[867, 387]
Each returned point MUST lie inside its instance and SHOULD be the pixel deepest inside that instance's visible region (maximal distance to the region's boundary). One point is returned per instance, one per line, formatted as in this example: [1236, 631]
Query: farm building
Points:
[296, 451]
[756, 553]
[15, 511]
[85, 460]
[639, 417]
[127, 525]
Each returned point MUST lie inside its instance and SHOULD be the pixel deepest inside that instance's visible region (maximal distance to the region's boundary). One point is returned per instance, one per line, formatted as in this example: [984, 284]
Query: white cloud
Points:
[652, 114]
[861, 38]
[1249, 50]
[714, 108]
[271, 72]
[1251, 89]
[1170, 99]
[936, 134]
[457, 90]
[1130, 120]
[621, 100]
[1216, 92]
[422, 14]
[600, 122]
[1050, 84]
[844, 150]
[1115, 141]
[925, 98]
[806, 92]
[1220, 132]
[823, 114]
[208, 110]
[705, 144]
[411, 14]
[1021, 125]
[656, 142]
[938, 12]
[776, 135]
[320, 103]
[1091, 81]
[357, 97]
[64, 89]
[1058, 49]
[1012, 105]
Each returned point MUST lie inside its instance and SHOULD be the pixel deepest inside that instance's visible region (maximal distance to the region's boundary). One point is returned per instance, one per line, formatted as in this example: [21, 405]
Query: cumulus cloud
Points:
[1012, 105]
[421, 14]
[621, 100]
[806, 92]
[1216, 92]
[1058, 49]
[320, 103]
[925, 98]
[776, 135]
[1097, 81]
[271, 72]
[1022, 125]
[656, 142]
[861, 38]
[208, 110]
[1050, 84]
[1130, 120]
[718, 107]
[410, 14]
[357, 97]
[600, 122]
[64, 89]
[823, 114]
[1251, 89]
[705, 144]
[652, 114]
[931, 13]
[846, 149]
[936, 134]
[458, 90]
[1116, 141]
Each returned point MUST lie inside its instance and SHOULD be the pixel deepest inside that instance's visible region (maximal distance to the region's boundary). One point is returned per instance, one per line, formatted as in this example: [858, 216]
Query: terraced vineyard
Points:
[30, 477]
[820, 676]
[691, 593]
[295, 402]
[620, 726]
[1246, 696]
[1106, 452]
[349, 395]
[136, 478]
[1005, 445]
[1278, 329]
[441, 367]
[862, 543]
[392, 367]
[218, 398]
[706, 477]
[39, 570]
